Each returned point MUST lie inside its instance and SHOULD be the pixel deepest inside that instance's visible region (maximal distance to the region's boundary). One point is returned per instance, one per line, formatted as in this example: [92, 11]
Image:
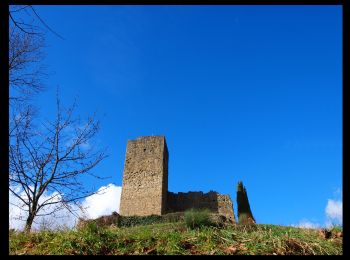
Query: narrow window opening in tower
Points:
[144, 150]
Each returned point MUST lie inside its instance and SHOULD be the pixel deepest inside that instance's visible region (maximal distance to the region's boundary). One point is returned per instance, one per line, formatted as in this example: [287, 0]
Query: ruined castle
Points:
[145, 184]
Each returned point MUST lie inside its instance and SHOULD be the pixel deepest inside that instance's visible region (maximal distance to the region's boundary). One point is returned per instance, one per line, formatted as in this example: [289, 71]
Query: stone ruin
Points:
[145, 184]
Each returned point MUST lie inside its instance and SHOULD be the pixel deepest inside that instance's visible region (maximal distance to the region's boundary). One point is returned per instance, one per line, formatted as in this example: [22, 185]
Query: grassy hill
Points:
[176, 238]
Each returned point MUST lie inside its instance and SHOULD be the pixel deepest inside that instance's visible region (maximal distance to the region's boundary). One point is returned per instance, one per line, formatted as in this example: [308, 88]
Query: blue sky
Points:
[250, 93]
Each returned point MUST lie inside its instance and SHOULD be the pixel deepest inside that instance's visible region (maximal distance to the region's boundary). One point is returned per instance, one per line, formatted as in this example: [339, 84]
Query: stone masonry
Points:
[145, 178]
[215, 202]
[145, 184]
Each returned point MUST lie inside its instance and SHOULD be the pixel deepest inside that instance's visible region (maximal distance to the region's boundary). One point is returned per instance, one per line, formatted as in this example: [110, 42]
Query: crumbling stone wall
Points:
[213, 201]
[145, 178]
[145, 184]
[225, 207]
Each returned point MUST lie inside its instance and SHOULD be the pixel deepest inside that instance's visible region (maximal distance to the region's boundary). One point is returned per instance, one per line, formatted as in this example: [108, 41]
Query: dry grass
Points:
[177, 239]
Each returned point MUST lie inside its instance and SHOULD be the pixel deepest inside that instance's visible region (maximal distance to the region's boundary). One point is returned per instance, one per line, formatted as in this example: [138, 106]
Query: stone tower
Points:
[145, 178]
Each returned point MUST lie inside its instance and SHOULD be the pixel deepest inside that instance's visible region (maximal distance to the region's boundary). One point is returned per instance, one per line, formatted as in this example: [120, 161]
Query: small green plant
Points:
[336, 228]
[92, 227]
[173, 217]
[197, 218]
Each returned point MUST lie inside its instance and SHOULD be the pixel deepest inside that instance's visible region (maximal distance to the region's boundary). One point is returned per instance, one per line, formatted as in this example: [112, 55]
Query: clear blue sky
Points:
[251, 93]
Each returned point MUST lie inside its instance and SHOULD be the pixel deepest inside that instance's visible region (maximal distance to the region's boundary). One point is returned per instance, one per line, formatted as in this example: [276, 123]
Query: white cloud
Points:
[334, 211]
[18, 214]
[95, 206]
[307, 224]
[334, 214]
[105, 203]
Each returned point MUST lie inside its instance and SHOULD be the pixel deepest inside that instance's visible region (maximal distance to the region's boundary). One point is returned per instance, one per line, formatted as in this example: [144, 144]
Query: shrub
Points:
[103, 221]
[91, 227]
[108, 220]
[173, 217]
[336, 228]
[197, 218]
[139, 220]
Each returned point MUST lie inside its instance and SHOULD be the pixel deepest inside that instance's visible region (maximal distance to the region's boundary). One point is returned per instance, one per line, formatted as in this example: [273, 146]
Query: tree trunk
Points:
[29, 222]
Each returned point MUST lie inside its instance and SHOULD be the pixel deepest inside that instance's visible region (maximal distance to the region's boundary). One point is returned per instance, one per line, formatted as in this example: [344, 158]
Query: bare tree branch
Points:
[25, 27]
[53, 160]
[19, 25]
[43, 22]
[25, 68]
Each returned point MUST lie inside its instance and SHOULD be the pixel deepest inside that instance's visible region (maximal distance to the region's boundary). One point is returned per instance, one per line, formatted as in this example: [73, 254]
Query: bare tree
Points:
[52, 161]
[50, 157]
[26, 45]
[25, 64]
[26, 70]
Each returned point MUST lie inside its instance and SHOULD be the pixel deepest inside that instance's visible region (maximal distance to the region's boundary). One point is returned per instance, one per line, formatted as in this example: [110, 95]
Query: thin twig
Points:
[42, 21]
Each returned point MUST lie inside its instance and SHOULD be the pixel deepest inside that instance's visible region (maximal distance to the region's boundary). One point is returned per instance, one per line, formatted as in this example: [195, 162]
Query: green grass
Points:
[197, 218]
[175, 238]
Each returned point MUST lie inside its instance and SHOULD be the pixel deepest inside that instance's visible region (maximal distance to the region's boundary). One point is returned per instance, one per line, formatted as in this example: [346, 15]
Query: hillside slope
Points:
[176, 238]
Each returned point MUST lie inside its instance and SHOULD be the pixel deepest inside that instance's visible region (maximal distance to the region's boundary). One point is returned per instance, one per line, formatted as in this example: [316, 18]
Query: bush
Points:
[103, 221]
[336, 228]
[173, 217]
[197, 218]
[139, 220]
